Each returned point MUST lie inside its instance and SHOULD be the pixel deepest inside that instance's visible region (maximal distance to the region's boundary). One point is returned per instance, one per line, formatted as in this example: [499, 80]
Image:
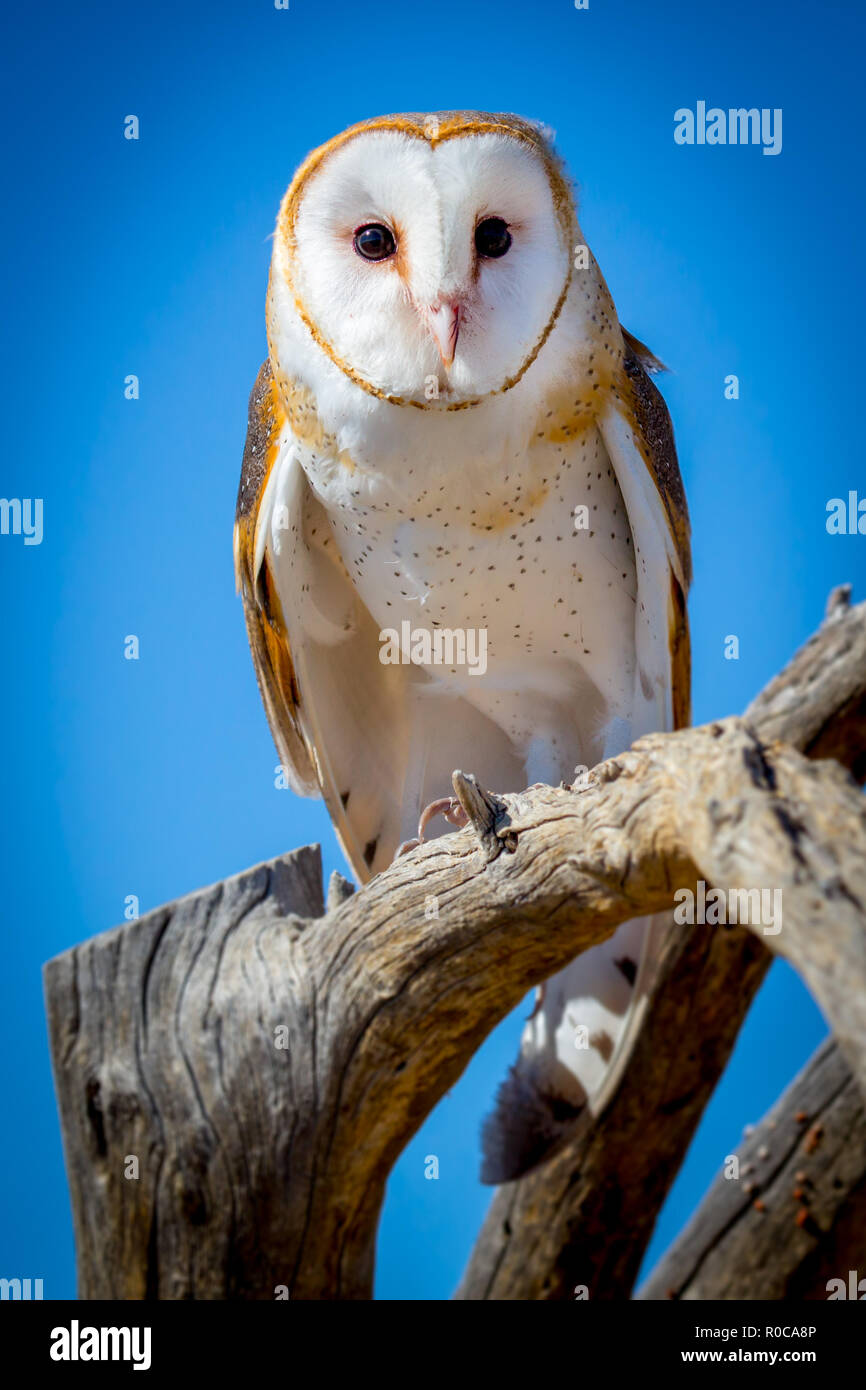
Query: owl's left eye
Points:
[492, 237]
[374, 242]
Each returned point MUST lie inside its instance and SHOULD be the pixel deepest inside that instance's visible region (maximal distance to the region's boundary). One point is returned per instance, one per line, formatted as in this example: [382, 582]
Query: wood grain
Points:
[793, 1216]
[261, 1168]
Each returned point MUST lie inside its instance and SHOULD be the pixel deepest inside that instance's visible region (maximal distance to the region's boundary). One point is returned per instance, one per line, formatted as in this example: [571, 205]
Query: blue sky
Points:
[155, 777]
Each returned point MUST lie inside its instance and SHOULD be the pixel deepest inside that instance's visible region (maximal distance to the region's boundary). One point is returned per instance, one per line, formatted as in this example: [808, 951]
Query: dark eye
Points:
[374, 242]
[492, 237]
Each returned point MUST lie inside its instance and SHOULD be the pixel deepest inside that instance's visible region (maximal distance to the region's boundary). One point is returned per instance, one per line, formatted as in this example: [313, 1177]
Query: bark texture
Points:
[588, 1216]
[791, 1214]
[238, 1072]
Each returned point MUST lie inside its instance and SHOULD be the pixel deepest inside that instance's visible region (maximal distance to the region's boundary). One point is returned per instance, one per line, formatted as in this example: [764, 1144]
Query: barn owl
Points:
[455, 450]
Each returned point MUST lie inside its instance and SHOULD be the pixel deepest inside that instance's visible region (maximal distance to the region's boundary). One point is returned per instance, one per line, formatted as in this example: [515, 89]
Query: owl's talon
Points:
[447, 806]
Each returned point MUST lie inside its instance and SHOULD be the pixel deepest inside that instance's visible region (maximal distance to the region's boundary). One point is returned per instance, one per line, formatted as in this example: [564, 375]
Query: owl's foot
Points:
[447, 806]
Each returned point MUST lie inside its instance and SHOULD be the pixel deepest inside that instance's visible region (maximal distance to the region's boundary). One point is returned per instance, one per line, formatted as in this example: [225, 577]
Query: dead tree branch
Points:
[792, 1216]
[587, 1216]
[265, 1064]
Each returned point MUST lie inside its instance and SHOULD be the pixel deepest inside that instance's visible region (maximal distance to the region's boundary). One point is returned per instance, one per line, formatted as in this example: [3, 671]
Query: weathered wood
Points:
[163, 1046]
[587, 1216]
[262, 1167]
[818, 703]
[791, 1215]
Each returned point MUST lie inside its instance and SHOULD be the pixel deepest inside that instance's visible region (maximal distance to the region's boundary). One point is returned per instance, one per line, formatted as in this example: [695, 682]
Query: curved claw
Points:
[447, 806]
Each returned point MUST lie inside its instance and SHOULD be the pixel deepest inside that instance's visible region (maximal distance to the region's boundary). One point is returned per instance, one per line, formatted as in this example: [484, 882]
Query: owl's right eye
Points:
[374, 242]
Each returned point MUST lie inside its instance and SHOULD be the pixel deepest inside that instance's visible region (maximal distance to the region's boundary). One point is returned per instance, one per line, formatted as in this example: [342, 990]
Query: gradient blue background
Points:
[156, 777]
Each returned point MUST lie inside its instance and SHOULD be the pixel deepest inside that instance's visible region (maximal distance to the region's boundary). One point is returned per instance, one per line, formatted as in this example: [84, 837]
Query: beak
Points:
[443, 320]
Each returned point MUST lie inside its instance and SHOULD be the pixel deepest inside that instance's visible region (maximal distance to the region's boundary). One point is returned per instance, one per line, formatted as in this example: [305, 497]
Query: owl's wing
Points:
[272, 659]
[604, 993]
[638, 434]
[377, 741]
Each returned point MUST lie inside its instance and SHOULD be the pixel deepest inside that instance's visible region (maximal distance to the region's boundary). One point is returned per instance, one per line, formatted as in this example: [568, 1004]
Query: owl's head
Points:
[425, 249]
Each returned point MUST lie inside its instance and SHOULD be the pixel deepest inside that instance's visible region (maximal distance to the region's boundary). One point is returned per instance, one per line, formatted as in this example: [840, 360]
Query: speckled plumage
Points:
[370, 498]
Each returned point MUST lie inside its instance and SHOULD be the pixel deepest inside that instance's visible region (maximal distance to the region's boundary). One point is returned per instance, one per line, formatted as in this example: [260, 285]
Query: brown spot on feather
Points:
[628, 968]
[603, 1044]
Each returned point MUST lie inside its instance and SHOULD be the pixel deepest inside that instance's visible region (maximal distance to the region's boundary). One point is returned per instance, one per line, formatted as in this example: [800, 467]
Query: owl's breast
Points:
[530, 556]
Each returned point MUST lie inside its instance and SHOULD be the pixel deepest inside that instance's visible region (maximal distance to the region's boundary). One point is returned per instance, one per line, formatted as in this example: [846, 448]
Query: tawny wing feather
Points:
[266, 629]
[653, 433]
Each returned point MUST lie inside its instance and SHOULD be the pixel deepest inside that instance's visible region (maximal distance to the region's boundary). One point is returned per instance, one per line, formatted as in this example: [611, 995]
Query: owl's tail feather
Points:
[575, 1048]
[526, 1126]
